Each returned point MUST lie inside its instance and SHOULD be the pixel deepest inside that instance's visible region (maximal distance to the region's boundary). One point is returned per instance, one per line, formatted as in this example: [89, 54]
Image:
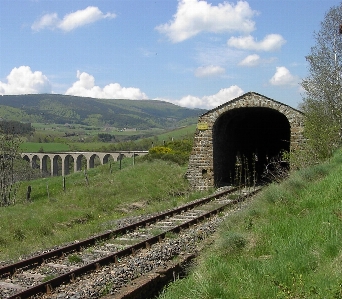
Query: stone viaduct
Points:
[251, 127]
[41, 160]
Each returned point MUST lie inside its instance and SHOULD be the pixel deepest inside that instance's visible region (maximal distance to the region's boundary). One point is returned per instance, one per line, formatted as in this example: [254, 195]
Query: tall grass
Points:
[286, 244]
[53, 216]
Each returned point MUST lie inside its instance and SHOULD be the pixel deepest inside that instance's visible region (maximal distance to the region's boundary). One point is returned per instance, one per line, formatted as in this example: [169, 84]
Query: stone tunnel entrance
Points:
[245, 140]
[252, 127]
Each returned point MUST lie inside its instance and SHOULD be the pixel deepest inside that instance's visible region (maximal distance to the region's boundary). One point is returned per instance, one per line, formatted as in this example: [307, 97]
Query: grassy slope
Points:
[181, 133]
[54, 217]
[287, 244]
[53, 108]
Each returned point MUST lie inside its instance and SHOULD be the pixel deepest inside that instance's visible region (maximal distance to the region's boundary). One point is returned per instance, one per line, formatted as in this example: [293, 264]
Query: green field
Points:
[180, 133]
[85, 130]
[61, 143]
[34, 147]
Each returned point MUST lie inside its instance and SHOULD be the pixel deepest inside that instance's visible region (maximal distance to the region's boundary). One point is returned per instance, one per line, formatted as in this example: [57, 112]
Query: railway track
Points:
[106, 262]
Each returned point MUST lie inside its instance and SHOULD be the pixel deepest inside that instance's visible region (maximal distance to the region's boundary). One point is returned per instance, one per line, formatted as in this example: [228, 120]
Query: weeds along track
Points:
[103, 264]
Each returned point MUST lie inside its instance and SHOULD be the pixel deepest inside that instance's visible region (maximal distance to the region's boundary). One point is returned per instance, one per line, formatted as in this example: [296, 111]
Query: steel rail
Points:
[41, 258]
[47, 287]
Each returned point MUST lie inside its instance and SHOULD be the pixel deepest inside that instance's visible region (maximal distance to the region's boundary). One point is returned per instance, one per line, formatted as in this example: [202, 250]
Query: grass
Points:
[61, 143]
[55, 217]
[86, 146]
[48, 277]
[35, 147]
[179, 133]
[286, 244]
[74, 259]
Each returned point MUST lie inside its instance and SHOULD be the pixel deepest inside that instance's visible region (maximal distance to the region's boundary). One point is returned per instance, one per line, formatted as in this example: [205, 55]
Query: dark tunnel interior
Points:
[255, 135]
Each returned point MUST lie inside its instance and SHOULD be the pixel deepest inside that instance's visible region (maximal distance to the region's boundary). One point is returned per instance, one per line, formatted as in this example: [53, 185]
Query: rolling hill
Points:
[61, 109]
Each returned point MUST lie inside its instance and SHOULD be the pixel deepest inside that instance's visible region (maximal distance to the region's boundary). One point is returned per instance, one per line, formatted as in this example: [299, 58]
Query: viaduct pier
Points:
[50, 162]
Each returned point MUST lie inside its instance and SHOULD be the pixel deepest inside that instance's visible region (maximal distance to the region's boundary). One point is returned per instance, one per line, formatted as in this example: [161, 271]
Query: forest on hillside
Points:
[62, 109]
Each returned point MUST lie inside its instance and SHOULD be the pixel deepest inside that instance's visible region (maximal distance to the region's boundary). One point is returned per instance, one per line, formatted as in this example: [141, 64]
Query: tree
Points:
[9, 157]
[322, 102]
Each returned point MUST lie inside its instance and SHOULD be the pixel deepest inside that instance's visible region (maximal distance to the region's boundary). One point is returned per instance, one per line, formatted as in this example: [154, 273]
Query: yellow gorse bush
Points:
[160, 150]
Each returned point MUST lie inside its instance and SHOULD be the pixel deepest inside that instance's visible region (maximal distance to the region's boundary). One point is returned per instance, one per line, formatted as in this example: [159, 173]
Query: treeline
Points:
[16, 127]
[322, 102]
[105, 137]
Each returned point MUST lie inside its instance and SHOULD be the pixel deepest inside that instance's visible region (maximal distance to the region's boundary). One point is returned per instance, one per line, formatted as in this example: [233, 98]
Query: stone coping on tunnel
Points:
[255, 95]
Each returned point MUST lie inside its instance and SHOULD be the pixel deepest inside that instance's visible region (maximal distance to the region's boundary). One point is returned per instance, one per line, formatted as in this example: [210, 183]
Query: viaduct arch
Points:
[251, 127]
[41, 160]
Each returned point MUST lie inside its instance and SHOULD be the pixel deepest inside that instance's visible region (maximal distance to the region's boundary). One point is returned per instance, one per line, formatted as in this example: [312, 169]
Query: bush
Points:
[182, 146]
[174, 151]
[159, 150]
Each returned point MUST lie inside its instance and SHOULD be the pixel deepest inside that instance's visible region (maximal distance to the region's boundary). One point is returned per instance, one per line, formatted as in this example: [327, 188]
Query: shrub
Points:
[174, 151]
[182, 146]
[160, 150]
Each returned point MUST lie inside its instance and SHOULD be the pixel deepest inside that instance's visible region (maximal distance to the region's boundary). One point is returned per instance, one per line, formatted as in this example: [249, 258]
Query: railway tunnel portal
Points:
[251, 130]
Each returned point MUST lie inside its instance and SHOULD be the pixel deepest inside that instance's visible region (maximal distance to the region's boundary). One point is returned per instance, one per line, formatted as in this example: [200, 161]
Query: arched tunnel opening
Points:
[247, 137]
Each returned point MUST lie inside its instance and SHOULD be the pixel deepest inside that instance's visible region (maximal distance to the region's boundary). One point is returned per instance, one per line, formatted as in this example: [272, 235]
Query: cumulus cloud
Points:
[209, 71]
[47, 21]
[255, 60]
[85, 87]
[283, 77]
[196, 16]
[271, 42]
[209, 102]
[72, 20]
[251, 60]
[22, 80]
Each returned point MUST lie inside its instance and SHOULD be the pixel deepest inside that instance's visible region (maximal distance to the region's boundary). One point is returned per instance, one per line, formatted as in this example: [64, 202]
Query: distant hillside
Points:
[61, 109]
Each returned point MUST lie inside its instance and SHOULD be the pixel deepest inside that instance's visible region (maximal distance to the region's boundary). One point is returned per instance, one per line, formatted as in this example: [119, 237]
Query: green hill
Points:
[61, 109]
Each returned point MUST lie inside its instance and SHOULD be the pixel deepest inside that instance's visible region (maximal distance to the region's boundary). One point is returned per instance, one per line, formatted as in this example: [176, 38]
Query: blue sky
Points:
[193, 53]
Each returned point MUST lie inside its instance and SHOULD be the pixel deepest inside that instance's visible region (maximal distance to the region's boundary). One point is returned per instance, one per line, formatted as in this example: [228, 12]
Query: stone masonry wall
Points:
[200, 172]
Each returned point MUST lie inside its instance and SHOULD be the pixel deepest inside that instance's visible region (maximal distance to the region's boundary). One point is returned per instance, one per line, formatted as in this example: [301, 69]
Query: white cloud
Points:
[22, 80]
[271, 42]
[46, 21]
[209, 102]
[85, 87]
[195, 16]
[83, 17]
[255, 60]
[71, 21]
[217, 55]
[283, 77]
[209, 71]
[251, 60]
